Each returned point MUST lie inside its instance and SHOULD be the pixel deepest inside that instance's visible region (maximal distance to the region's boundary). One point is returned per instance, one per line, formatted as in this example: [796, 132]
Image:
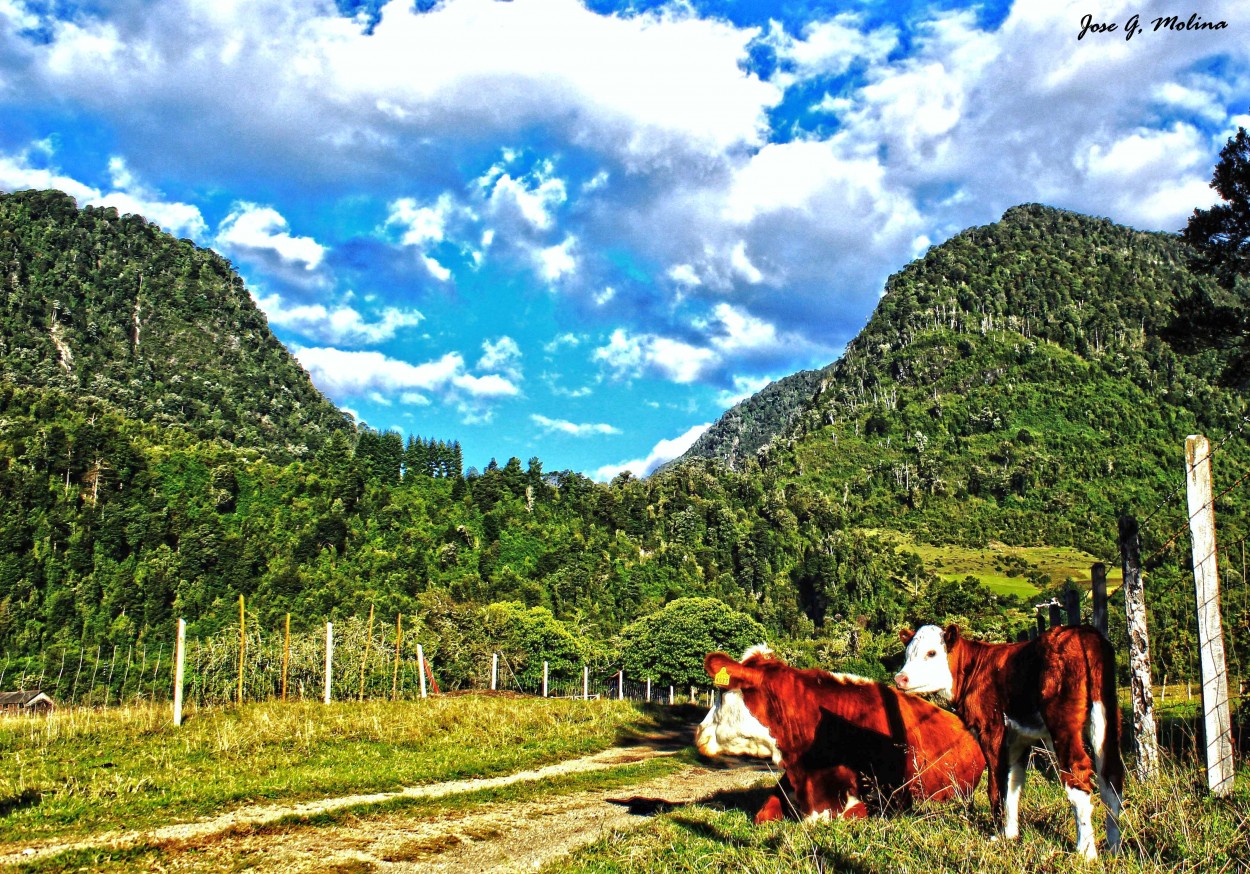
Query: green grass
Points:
[1169, 826]
[80, 772]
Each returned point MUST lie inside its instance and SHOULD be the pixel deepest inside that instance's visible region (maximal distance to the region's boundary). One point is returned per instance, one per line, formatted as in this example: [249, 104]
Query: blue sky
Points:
[582, 230]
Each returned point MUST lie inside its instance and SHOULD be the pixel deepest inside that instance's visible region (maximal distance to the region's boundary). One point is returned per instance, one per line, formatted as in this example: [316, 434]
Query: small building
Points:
[27, 701]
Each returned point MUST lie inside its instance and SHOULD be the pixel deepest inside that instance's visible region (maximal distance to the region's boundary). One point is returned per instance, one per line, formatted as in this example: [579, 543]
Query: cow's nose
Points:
[900, 680]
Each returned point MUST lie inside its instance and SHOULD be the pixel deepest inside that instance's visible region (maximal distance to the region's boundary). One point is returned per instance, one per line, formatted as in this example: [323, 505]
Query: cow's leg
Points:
[1109, 770]
[1076, 771]
[997, 757]
[773, 809]
[1017, 758]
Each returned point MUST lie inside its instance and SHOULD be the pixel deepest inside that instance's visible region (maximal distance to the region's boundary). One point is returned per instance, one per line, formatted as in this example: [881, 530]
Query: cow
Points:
[1059, 689]
[845, 742]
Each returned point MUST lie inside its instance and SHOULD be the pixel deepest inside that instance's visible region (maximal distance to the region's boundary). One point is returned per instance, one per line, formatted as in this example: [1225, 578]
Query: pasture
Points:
[81, 774]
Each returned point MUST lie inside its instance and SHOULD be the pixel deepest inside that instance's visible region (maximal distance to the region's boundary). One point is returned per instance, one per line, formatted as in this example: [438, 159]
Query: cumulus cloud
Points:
[562, 426]
[351, 374]
[261, 231]
[32, 168]
[501, 356]
[339, 324]
[664, 451]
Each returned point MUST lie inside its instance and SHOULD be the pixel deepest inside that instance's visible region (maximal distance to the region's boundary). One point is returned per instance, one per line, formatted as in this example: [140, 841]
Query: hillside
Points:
[1011, 388]
[111, 309]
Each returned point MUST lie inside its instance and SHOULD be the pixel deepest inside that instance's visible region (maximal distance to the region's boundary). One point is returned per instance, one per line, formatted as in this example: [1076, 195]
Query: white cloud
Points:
[341, 324]
[664, 451]
[562, 426]
[127, 195]
[501, 356]
[256, 229]
[555, 262]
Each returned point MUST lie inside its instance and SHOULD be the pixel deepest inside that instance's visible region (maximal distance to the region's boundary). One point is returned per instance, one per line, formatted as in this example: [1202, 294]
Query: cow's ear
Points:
[729, 674]
[905, 635]
[950, 635]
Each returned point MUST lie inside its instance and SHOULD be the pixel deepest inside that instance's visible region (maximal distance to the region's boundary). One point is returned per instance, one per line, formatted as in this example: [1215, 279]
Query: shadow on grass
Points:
[21, 801]
[775, 844]
[663, 727]
[748, 801]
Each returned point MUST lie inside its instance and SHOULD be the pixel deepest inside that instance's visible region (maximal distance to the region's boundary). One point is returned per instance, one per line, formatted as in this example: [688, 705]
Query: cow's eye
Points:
[931, 654]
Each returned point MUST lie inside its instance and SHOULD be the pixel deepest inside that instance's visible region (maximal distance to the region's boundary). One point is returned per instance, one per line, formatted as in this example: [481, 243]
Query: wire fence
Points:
[368, 662]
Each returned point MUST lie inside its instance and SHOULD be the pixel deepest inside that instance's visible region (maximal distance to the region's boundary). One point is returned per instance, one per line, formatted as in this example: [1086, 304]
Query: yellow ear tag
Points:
[722, 677]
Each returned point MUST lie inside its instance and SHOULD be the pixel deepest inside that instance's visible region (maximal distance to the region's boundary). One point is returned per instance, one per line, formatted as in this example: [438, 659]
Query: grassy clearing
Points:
[1169, 826]
[79, 772]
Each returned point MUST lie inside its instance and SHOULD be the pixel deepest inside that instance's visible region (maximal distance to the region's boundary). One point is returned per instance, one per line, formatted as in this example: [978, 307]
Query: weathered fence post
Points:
[1056, 614]
[648, 690]
[585, 683]
[1098, 582]
[286, 654]
[242, 645]
[421, 667]
[620, 685]
[1216, 719]
[1072, 605]
[364, 657]
[1041, 618]
[329, 658]
[180, 661]
[545, 675]
[1144, 731]
[494, 671]
[672, 696]
[399, 639]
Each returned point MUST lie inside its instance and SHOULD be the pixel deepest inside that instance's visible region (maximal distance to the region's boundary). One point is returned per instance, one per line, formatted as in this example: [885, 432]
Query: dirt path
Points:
[505, 836]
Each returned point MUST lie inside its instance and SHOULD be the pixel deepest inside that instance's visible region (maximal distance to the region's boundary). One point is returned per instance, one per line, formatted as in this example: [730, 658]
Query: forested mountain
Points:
[1011, 386]
[108, 307]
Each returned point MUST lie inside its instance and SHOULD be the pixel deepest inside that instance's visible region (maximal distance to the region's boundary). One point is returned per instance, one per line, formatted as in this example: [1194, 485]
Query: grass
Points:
[1169, 825]
[80, 771]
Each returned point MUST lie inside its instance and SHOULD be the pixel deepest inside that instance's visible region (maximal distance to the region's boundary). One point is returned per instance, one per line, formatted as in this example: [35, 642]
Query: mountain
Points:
[111, 309]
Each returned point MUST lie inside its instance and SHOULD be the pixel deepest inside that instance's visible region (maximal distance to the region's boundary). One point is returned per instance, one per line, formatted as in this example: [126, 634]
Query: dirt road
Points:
[491, 836]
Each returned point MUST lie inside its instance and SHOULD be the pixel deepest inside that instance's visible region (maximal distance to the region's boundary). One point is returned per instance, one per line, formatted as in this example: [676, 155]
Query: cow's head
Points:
[730, 729]
[927, 668]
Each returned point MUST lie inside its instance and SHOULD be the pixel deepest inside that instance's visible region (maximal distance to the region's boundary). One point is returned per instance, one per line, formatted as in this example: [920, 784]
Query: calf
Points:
[842, 740]
[1059, 689]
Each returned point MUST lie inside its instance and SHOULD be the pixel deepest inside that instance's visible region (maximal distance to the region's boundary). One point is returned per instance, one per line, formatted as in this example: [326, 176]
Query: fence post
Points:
[421, 667]
[242, 645]
[180, 660]
[329, 658]
[545, 667]
[399, 639]
[1144, 731]
[620, 685]
[1098, 580]
[1041, 618]
[286, 653]
[494, 670]
[672, 696]
[364, 658]
[648, 690]
[1216, 720]
[585, 683]
[1056, 614]
[1072, 605]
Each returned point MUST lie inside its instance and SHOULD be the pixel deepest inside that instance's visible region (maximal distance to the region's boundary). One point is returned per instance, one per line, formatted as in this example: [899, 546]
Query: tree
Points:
[669, 646]
[1220, 236]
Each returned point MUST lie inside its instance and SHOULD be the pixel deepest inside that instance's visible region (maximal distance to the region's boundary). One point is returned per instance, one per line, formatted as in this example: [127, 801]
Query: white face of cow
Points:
[729, 729]
[926, 669]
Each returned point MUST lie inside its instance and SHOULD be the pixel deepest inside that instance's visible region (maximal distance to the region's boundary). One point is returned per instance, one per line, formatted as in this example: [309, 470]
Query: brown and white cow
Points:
[844, 741]
[1059, 689]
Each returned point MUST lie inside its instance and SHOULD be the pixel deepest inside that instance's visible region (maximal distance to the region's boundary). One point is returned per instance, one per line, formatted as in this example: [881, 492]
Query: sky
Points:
[582, 229]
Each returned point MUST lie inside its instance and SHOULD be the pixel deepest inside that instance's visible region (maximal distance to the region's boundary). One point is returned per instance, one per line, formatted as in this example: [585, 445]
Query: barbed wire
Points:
[1245, 420]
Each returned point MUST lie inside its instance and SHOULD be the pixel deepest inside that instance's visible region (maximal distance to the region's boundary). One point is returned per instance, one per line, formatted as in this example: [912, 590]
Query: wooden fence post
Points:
[399, 639]
[180, 660]
[1041, 618]
[421, 667]
[585, 683]
[1072, 605]
[364, 658]
[620, 685]
[1216, 719]
[648, 690]
[494, 671]
[242, 645]
[1098, 581]
[286, 653]
[1056, 614]
[545, 674]
[329, 658]
[1144, 731]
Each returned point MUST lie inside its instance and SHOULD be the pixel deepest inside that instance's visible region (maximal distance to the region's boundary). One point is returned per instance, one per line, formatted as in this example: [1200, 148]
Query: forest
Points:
[1015, 386]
